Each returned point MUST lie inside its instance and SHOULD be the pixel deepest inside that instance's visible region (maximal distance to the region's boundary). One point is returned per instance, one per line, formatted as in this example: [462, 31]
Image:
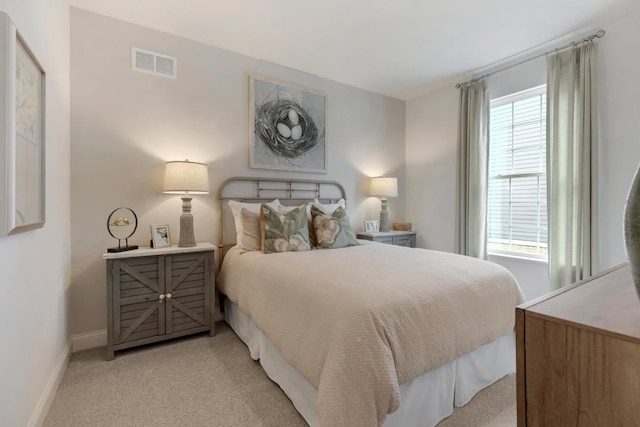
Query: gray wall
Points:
[432, 137]
[431, 162]
[125, 125]
[35, 265]
[619, 143]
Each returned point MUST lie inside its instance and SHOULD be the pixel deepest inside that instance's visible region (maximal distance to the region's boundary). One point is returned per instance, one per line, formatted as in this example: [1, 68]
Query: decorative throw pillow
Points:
[250, 238]
[333, 230]
[284, 232]
[329, 207]
[286, 209]
[326, 208]
[236, 208]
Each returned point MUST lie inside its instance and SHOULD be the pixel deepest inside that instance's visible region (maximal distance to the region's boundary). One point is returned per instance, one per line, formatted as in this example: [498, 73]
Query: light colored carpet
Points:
[204, 381]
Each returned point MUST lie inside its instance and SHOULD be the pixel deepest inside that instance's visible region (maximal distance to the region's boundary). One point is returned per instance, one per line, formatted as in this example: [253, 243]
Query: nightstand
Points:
[157, 294]
[398, 238]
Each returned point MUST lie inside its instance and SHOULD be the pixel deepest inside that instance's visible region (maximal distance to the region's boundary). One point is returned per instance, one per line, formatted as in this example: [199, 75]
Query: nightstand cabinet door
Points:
[389, 240]
[187, 293]
[137, 312]
[408, 240]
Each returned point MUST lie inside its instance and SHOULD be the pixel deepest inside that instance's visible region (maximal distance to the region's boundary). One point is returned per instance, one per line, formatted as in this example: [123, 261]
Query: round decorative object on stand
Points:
[632, 228]
[121, 224]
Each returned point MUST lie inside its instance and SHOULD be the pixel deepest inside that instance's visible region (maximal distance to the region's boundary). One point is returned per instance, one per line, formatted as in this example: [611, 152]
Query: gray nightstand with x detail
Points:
[158, 294]
[398, 238]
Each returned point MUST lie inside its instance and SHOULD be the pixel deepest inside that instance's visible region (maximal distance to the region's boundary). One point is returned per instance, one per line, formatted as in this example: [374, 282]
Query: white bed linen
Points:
[425, 400]
[357, 333]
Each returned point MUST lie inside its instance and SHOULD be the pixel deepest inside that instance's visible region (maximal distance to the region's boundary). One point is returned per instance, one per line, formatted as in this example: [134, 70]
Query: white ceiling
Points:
[397, 48]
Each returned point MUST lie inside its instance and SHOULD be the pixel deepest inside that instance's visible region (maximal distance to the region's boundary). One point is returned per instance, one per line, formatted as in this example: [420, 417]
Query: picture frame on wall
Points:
[287, 126]
[160, 236]
[22, 137]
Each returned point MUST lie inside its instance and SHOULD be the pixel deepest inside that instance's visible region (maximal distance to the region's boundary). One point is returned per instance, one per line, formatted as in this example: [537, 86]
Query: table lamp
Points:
[187, 178]
[384, 187]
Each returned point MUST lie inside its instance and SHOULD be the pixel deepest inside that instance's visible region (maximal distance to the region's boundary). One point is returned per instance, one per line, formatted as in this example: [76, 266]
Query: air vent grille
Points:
[145, 61]
[164, 65]
[153, 63]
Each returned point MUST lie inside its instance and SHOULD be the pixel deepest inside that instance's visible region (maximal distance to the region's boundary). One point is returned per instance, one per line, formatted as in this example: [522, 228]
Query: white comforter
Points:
[357, 322]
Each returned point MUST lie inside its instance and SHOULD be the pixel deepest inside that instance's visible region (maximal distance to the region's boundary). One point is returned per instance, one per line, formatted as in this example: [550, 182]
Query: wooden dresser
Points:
[578, 354]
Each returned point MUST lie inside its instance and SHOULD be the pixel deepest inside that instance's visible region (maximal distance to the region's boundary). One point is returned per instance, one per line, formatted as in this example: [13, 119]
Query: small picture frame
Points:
[371, 226]
[160, 236]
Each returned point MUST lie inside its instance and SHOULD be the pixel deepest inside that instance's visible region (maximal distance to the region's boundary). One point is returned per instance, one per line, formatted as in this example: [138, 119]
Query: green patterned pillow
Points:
[284, 232]
[333, 230]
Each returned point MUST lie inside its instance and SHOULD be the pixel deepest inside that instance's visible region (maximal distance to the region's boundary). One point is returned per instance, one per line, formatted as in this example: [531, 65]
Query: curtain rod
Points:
[586, 39]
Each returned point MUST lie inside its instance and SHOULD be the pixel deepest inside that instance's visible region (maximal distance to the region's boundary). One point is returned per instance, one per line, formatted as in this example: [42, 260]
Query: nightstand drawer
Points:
[398, 238]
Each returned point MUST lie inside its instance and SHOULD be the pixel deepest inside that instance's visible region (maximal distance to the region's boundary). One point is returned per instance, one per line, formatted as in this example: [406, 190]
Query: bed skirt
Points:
[424, 401]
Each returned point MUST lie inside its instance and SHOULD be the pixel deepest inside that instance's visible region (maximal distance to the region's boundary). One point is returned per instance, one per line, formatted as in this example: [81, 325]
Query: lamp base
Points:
[187, 238]
[384, 216]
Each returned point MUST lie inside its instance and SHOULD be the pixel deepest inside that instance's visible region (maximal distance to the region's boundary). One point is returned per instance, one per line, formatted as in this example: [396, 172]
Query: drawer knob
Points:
[161, 298]
[169, 297]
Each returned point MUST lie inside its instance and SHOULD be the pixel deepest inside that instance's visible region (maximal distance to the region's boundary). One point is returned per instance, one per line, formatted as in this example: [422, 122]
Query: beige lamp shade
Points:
[384, 187]
[186, 176]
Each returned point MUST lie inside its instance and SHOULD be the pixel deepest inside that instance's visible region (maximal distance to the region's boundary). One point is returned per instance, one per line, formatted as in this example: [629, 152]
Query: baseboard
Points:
[89, 340]
[49, 393]
[99, 338]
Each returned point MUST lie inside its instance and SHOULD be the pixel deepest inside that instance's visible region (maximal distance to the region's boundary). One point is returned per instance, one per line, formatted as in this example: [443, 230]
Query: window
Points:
[517, 174]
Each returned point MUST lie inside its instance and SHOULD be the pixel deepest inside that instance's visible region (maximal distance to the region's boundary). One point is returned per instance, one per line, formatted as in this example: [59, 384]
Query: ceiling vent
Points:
[153, 63]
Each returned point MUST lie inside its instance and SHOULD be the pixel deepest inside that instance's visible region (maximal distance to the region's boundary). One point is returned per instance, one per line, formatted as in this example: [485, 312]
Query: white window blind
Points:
[517, 174]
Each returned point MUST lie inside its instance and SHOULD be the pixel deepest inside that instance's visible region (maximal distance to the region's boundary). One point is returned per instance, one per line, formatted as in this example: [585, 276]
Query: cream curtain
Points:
[572, 163]
[473, 153]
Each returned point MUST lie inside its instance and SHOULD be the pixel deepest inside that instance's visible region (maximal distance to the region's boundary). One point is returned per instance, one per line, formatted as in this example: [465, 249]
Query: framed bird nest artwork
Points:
[287, 126]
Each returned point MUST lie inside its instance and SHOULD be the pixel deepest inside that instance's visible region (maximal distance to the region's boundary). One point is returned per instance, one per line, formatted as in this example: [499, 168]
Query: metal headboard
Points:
[289, 191]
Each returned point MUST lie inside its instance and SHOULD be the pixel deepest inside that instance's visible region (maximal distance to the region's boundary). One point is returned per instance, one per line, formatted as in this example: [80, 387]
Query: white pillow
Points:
[328, 208]
[236, 210]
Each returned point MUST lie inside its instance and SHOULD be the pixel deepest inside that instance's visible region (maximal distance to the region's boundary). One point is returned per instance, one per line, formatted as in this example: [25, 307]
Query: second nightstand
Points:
[398, 238]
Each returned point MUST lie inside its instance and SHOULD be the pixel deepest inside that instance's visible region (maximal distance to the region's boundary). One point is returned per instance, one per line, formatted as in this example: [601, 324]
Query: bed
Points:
[371, 334]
